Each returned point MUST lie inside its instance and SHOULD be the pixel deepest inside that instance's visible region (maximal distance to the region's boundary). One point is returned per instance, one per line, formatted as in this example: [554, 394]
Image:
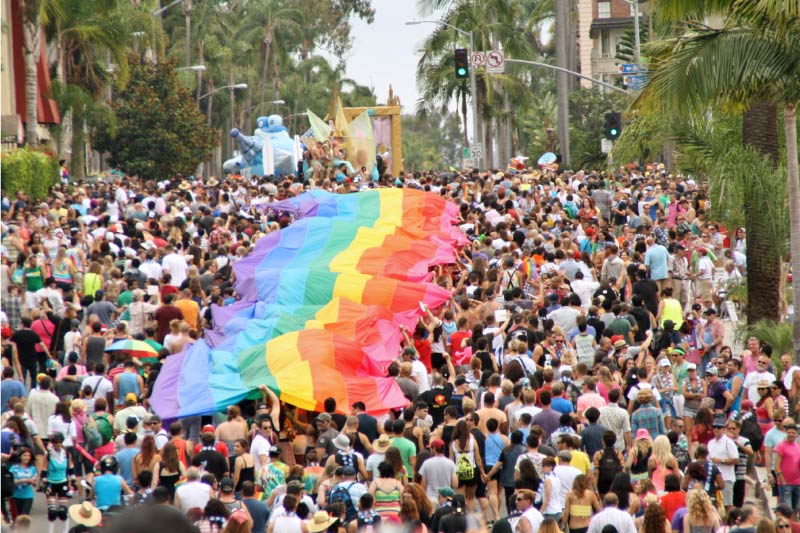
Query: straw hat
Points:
[382, 443]
[321, 522]
[85, 514]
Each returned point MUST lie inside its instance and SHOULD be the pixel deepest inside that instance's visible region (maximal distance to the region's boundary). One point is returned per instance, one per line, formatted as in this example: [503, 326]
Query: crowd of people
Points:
[577, 380]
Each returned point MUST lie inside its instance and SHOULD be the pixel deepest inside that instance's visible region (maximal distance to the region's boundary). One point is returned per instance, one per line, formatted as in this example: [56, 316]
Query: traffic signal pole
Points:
[473, 93]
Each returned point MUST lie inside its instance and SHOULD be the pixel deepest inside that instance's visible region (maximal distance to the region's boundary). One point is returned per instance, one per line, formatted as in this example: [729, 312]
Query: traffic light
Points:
[462, 63]
[613, 125]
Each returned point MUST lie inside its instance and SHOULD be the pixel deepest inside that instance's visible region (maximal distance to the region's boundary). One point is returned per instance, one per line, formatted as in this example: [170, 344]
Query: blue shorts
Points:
[668, 407]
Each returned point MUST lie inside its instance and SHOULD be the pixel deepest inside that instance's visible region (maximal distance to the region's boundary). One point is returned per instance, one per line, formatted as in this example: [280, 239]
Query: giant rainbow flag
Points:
[321, 302]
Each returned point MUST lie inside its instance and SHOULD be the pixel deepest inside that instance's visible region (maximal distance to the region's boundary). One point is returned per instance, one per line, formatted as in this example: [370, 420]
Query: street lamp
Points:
[194, 68]
[472, 86]
[232, 87]
[156, 13]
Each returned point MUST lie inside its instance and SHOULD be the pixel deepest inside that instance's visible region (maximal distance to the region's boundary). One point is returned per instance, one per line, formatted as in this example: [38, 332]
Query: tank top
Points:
[672, 311]
[57, 464]
[108, 490]
[609, 467]
[247, 473]
[639, 465]
[288, 524]
[693, 403]
[387, 503]
[61, 273]
[92, 283]
[127, 384]
[168, 481]
[493, 447]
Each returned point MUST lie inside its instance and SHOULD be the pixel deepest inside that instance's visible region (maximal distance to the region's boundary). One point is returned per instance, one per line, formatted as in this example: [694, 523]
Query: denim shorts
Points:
[790, 495]
[668, 407]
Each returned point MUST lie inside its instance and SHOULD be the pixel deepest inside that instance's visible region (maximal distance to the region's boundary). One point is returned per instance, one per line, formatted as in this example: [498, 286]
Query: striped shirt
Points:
[612, 516]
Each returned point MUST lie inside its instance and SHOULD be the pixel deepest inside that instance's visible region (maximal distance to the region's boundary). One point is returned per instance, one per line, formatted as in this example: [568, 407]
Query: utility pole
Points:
[637, 47]
[562, 81]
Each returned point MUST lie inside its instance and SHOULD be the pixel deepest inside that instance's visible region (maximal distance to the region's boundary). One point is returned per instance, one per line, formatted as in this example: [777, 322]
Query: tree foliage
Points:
[431, 141]
[587, 110]
[159, 131]
[30, 170]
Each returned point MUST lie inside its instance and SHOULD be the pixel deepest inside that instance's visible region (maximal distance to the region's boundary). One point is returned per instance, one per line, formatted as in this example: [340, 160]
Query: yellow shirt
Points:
[580, 460]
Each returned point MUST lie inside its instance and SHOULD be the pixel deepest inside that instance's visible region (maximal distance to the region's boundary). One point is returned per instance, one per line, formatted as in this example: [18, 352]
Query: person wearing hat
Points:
[723, 452]
[348, 491]
[210, 458]
[273, 473]
[379, 447]
[346, 456]
[321, 521]
[85, 514]
[327, 433]
[717, 389]
[694, 390]
[705, 275]
[438, 472]
[666, 385]
[787, 466]
[227, 497]
[130, 408]
[444, 500]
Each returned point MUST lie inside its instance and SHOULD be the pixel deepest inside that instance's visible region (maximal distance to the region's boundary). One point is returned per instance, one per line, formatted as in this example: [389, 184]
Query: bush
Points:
[32, 171]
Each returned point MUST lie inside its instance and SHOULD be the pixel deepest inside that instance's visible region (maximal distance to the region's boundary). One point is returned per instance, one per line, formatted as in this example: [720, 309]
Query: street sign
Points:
[465, 153]
[606, 145]
[628, 68]
[495, 62]
[468, 162]
[635, 81]
[476, 151]
[477, 58]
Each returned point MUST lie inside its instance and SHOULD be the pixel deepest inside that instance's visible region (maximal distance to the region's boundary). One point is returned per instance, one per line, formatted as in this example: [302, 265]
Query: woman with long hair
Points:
[662, 463]
[415, 492]
[63, 270]
[780, 396]
[393, 457]
[326, 482]
[550, 525]
[639, 457]
[147, 457]
[169, 470]
[703, 428]
[387, 491]
[93, 279]
[765, 406]
[409, 513]
[622, 487]
[605, 382]
[655, 520]
[26, 477]
[243, 465]
[469, 467]
[580, 504]
[61, 422]
[701, 517]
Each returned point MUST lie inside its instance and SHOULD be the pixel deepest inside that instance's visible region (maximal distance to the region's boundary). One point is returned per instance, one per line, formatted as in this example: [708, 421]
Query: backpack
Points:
[91, 434]
[752, 432]
[609, 467]
[368, 522]
[7, 478]
[341, 493]
[465, 470]
[104, 427]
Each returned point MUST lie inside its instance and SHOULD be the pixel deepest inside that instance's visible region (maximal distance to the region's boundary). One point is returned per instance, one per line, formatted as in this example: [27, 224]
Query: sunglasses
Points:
[784, 526]
[762, 388]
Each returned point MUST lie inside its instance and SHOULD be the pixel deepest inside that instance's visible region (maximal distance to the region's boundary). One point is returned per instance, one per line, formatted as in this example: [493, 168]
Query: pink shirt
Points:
[590, 399]
[790, 461]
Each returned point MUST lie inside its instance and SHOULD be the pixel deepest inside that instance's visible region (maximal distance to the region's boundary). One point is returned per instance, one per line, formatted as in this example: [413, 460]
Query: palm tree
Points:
[750, 62]
[279, 28]
[30, 11]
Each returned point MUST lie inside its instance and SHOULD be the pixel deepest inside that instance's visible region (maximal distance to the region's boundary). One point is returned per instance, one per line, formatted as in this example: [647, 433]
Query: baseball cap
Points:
[274, 451]
[719, 421]
[226, 485]
[324, 417]
[446, 492]
[663, 362]
[710, 311]
[262, 406]
[131, 397]
[208, 428]
[713, 371]
[691, 366]
[461, 380]
[154, 418]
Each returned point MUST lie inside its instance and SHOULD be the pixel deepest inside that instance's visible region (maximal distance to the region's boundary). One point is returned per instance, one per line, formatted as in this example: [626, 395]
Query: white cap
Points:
[663, 362]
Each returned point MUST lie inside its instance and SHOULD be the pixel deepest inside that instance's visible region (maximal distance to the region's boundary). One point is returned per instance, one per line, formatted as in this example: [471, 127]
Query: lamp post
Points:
[194, 68]
[232, 88]
[472, 85]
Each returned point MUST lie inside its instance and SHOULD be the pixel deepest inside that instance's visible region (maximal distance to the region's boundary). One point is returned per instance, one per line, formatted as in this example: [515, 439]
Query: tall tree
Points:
[30, 11]
[752, 61]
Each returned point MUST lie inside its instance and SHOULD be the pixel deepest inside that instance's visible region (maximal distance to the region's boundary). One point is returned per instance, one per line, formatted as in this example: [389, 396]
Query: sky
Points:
[385, 52]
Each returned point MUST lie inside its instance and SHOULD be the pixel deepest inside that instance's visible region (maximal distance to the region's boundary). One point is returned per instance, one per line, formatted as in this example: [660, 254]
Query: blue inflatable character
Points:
[270, 150]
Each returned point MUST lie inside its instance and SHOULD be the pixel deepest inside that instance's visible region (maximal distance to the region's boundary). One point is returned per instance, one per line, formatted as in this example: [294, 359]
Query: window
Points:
[603, 10]
[605, 43]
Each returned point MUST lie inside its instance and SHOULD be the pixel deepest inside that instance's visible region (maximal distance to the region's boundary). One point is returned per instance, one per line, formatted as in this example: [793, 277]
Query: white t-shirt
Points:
[724, 448]
[72, 342]
[193, 494]
[751, 384]
[103, 388]
[56, 424]
[176, 265]
[642, 385]
[260, 446]
[419, 371]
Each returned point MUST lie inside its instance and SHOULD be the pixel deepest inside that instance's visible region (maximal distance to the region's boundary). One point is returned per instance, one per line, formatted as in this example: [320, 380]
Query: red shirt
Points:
[424, 350]
[220, 446]
[457, 340]
[163, 316]
[672, 501]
